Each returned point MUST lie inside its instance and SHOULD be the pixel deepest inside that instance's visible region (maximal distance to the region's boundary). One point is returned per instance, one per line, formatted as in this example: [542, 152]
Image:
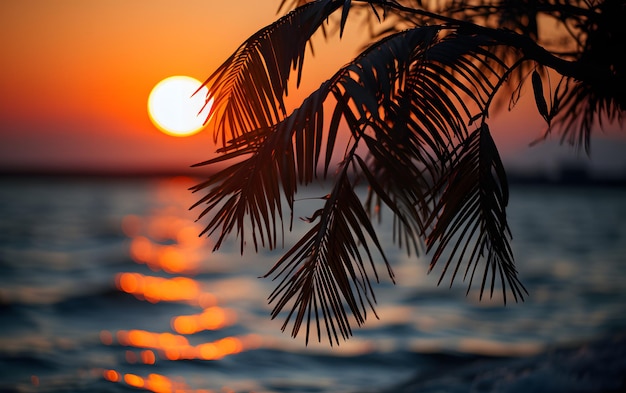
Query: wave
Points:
[597, 366]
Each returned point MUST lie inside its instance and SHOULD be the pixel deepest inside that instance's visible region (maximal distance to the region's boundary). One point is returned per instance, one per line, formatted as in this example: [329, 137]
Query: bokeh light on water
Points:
[168, 243]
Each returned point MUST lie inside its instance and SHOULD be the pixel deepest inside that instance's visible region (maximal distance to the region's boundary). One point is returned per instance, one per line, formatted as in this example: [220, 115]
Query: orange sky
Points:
[76, 75]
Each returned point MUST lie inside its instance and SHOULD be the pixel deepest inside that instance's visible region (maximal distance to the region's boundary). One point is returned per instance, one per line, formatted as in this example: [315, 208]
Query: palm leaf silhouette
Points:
[471, 216]
[399, 99]
[415, 105]
[248, 89]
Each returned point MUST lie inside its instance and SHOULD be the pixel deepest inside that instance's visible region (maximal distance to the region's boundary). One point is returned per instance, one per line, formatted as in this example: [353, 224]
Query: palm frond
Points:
[401, 98]
[281, 155]
[407, 103]
[326, 272]
[249, 88]
[470, 217]
[411, 141]
[578, 109]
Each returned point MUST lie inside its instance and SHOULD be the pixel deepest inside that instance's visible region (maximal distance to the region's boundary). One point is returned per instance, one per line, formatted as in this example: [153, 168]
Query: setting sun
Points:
[175, 109]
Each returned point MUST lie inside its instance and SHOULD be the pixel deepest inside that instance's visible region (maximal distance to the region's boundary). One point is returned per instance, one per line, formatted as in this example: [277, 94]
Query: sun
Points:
[175, 109]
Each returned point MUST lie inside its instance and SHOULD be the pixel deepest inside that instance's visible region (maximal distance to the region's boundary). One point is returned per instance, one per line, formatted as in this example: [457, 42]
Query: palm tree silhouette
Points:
[416, 105]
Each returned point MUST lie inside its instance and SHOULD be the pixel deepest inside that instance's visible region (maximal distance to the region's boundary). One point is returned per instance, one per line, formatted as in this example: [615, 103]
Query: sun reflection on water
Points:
[177, 347]
[159, 289]
[153, 382]
[169, 244]
[212, 318]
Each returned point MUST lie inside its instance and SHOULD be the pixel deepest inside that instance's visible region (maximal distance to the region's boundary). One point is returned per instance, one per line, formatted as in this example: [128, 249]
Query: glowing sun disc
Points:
[175, 109]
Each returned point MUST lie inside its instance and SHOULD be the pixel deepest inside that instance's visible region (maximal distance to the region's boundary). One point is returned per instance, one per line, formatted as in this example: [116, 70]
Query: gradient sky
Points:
[76, 75]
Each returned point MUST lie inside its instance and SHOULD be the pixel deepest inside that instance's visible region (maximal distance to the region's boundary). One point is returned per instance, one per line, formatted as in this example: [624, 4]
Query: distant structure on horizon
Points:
[568, 173]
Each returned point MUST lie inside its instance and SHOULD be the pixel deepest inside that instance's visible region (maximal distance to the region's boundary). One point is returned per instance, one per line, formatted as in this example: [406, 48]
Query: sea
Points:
[105, 286]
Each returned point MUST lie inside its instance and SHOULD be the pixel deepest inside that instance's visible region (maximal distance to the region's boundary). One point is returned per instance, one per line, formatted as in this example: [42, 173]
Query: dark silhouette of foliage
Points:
[415, 103]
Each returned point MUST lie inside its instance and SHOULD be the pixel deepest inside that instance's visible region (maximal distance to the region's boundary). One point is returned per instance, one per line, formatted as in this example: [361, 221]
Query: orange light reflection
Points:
[111, 375]
[133, 380]
[213, 318]
[147, 357]
[156, 383]
[166, 242]
[169, 258]
[177, 347]
[157, 289]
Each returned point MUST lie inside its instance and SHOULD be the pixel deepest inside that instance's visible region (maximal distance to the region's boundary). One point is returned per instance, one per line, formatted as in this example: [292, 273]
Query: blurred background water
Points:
[106, 287]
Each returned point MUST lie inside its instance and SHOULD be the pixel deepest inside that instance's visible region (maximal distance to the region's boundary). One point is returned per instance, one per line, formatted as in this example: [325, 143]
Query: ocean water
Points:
[106, 287]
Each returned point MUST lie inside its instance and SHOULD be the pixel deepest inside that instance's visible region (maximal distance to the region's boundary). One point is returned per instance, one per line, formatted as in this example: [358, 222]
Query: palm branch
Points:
[471, 216]
[415, 104]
